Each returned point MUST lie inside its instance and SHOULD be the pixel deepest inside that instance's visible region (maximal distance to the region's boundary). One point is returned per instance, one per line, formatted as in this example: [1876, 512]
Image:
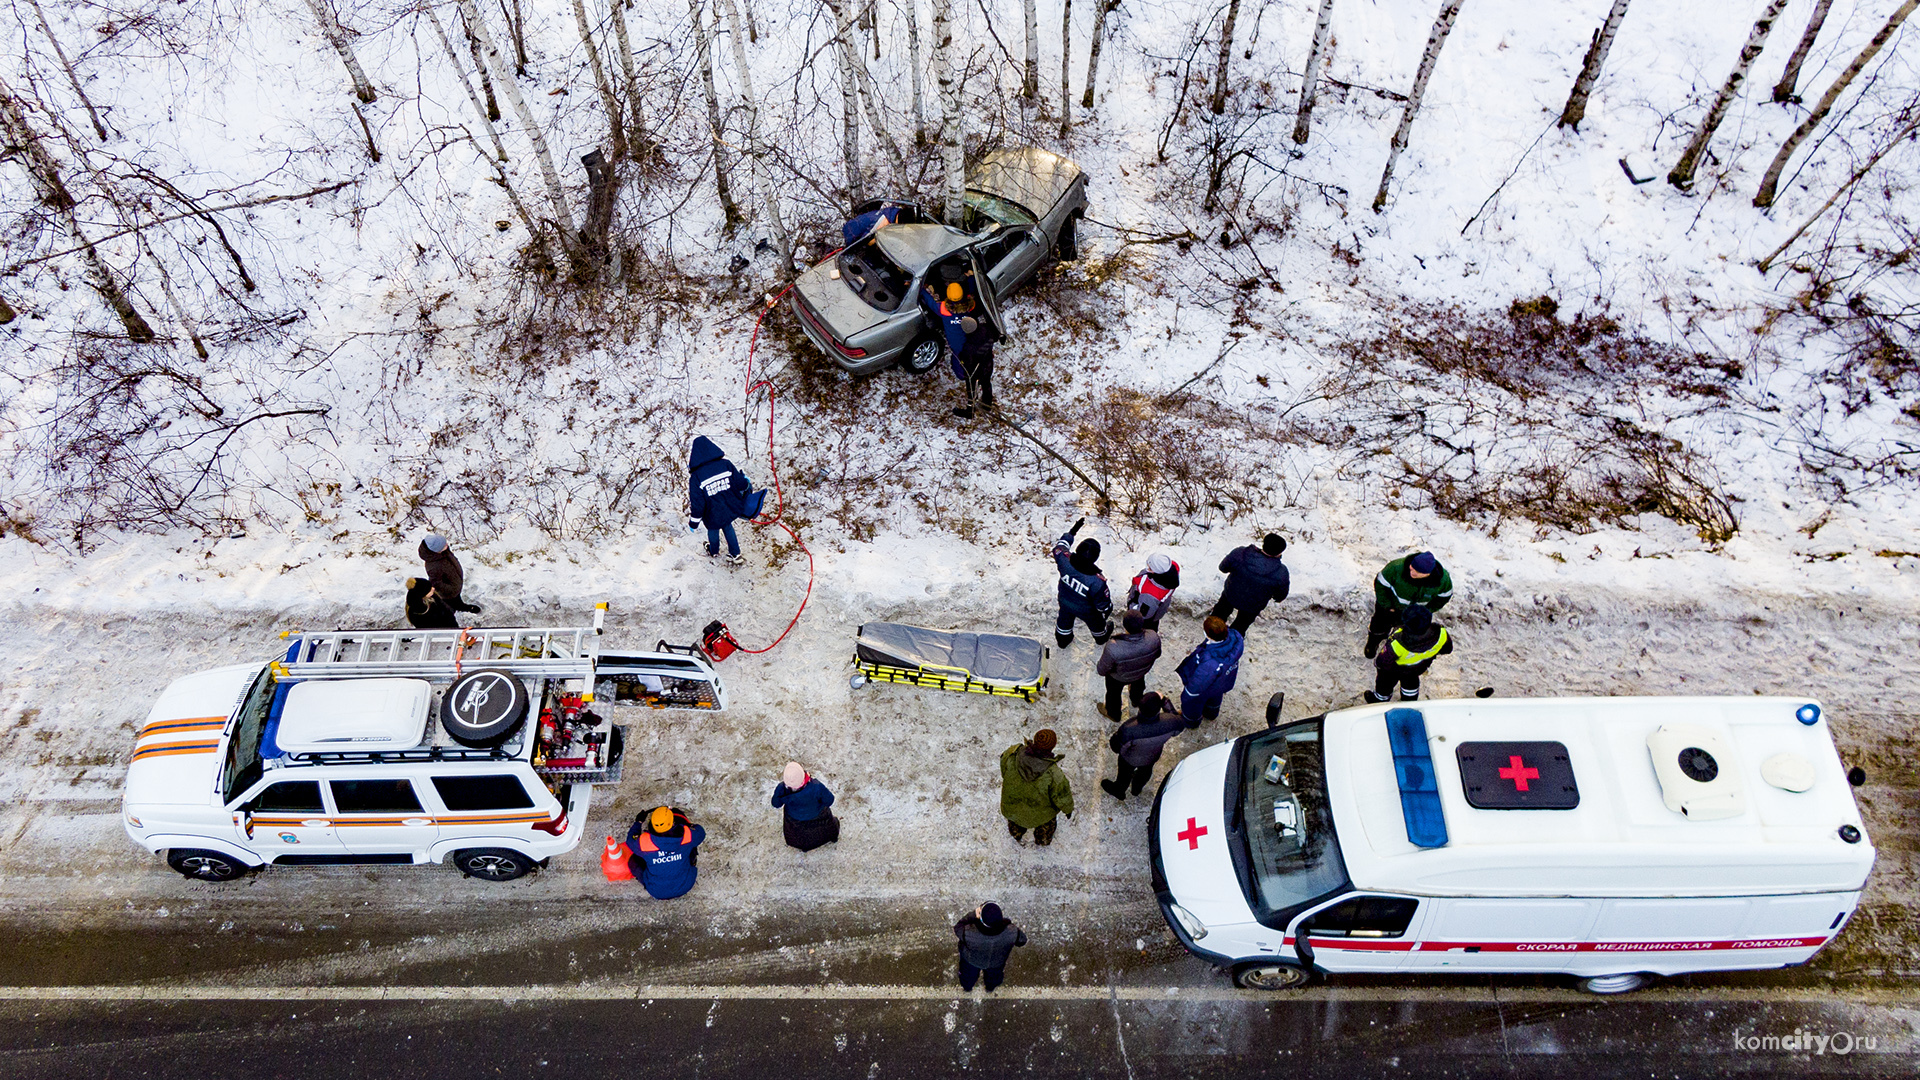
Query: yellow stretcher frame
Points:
[936, 679]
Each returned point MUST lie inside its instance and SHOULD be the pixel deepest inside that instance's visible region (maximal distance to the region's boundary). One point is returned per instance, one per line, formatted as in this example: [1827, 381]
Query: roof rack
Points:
[560, 652]
[418, 753]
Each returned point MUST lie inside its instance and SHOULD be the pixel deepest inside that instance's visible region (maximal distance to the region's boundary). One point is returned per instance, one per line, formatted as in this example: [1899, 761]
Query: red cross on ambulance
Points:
[1518, 772]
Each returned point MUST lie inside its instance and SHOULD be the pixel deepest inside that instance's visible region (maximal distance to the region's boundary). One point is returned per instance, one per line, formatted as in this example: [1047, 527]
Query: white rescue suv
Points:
[397, 746]
[1605, 838]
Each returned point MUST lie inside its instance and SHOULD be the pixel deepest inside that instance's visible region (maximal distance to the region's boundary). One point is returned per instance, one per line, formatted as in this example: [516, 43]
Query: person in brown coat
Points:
[444, 572]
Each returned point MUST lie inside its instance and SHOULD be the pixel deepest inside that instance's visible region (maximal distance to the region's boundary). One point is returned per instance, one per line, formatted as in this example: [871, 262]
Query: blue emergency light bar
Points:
[1413, 768]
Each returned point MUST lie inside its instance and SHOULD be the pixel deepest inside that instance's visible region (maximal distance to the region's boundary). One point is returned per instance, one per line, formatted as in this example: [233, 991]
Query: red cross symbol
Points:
[1518, 772]
[1192, 834]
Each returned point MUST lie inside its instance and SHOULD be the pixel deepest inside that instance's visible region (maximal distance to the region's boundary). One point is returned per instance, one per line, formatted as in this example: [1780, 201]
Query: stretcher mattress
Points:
[953, 660]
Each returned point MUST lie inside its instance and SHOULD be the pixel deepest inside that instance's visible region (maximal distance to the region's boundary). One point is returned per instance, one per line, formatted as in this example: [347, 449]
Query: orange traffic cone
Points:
[613, 862]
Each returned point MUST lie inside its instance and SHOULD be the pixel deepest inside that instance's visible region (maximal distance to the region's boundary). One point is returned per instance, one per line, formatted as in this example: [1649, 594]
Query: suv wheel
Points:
[1276, 975]
[205, 865]
[492, 864]
[923, 355]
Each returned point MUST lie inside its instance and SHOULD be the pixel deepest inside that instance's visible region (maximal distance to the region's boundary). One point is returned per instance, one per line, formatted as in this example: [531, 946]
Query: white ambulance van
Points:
[1604, 838]
[397, 746]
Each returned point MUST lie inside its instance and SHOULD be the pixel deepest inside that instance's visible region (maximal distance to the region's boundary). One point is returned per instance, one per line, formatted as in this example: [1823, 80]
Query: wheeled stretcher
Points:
[998, 664]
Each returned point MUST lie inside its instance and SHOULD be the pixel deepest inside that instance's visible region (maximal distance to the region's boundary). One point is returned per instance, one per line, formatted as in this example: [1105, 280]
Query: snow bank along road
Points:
[918, 781]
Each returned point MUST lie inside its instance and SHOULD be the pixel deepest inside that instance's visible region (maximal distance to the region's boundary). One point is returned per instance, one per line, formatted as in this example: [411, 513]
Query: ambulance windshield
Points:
[1282, 814]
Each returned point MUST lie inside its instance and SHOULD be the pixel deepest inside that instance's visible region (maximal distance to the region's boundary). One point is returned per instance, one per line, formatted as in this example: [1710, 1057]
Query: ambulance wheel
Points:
[484, 707]
[492, 864]
[1612, 984]
[1274, 975]
[205, 865]
[923, 355]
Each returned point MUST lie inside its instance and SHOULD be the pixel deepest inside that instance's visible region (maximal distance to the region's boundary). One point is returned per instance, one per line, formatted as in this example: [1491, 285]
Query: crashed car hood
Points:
[1030, 176]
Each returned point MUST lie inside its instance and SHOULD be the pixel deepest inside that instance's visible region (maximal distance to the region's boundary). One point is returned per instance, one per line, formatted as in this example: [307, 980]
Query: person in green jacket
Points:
[1412, 579]
[1033, 790]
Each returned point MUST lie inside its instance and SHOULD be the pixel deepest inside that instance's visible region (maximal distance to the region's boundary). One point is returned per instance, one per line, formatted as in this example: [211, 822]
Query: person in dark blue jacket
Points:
[808, 821]
[1210, 669]
[663, 848]
[1083, 588]
[1255, 578]
[860, 225]
[717, 495]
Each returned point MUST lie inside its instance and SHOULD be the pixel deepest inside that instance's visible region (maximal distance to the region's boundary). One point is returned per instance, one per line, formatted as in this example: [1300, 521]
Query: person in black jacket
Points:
[425, 609]
[987, 939]
[1255, 578]
[1139, 742]
[444, 572]
[1406, 655]
[1083, 588]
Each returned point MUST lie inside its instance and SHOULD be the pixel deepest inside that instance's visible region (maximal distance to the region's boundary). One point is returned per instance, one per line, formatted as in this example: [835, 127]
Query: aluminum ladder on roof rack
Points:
[555, 652]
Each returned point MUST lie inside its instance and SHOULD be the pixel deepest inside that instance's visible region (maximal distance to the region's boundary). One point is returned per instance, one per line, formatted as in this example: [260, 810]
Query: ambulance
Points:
[1608, 839]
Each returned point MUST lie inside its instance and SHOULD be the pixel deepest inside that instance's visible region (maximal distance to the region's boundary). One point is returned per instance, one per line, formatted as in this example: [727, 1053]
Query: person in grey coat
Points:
[987, 939]
[1139, 742]
[1125, 662]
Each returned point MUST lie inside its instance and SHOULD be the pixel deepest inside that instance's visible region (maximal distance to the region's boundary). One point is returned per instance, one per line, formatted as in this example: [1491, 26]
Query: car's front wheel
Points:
[924, 355]
[1067, 246]
[205, 865]
[492, 864]
[1271, 975]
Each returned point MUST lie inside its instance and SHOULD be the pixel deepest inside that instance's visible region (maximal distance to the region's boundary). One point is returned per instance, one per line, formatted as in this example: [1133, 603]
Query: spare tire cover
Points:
[484, 707]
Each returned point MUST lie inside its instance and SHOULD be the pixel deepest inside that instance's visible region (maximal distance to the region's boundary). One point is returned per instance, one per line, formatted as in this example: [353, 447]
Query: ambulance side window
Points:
[1365, 916]
[291, 796]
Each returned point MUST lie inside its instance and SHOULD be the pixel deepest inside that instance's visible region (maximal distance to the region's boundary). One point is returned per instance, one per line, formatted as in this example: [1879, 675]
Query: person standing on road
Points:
[1125, 663]
[806, 820]
[717, 495]
[444, 572]
[1210, 669]
[1406, 654]
[664, 843]
[425, 609]
[1083, 588]
[1255, 578]
[1139, 742]
[1033, 790]
[1412, 579]
[987, 939]
[1151, 593]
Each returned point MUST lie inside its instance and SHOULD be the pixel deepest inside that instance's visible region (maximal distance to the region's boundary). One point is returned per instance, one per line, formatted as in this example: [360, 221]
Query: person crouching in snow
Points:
[717, 495]
[1210, 669]
[1406, 654]
[1083, 588]
[1033, 790]
[663, 844]
[806, 820]
[1151, 593]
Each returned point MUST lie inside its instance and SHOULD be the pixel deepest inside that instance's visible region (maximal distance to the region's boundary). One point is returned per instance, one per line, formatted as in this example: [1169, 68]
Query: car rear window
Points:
[872, 276]
[504, 792]
[374, 796]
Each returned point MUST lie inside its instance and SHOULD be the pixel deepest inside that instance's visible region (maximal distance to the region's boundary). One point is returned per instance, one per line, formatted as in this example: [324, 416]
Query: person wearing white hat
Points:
[1151, 593]
[444, 572]
[807, 821]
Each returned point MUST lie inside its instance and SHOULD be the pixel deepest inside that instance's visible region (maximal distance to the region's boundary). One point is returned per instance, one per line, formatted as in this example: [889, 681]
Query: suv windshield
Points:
[872, 276]
[1283, 819]
[243, 750]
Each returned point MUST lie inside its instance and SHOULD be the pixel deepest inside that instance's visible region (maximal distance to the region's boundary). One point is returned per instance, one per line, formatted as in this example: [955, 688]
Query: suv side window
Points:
[374, 796]
[291, 796]
[1365, 916]
[482, 792]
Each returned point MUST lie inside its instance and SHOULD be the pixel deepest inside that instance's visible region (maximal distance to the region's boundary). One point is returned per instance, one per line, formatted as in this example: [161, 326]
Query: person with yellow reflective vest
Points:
[1407, 653]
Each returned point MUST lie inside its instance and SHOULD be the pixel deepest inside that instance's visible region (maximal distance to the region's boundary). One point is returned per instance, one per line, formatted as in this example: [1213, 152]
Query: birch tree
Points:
[453, 58]
[66, 65]
[953, 179]
[638, 120]
[1783, 91]
[1682, 174]
[1219, 104]
[1101, 9]
[556, 194]
[849, 98]
[1030, 83]
[912, 10]
[1066, 62]
[1310, 80]
[1597, 50]
[703, 51]
[616, 124]
[756, 146]
[1770, 183]
[480, 68]
[1437, 37]
[336, 37]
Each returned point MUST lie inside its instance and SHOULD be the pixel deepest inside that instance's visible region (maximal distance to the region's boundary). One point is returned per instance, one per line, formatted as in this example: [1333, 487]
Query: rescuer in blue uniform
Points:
[663, 846]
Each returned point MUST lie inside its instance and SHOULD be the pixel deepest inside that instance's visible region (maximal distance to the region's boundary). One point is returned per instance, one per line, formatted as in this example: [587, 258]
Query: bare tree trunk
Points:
[1437, 37]
[480, 67]
[1783, 91]
[519, 208]
[1310, 80]
[703, 49]
[849, 100]
[952, 137]
[562, 212]
[912, 9]
[516, 33]
[874, 118]
[373, 148]
[1030, 82]
[1066, 65]
[7, 314]
[187, 321]
[1912, 125]
[756, 146]
[1576, 109]
[336, 37]
[1682, 174]
[642, 142]
[1219, 104]
[1100, 12]
[1770, 183]
[616, 125]
[93, 114]
[499, 148]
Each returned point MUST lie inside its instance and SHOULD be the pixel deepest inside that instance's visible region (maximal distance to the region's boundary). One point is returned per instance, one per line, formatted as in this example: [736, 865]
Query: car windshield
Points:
[984, 210]
[243, 750]
[1283, 818]
[872, 276]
